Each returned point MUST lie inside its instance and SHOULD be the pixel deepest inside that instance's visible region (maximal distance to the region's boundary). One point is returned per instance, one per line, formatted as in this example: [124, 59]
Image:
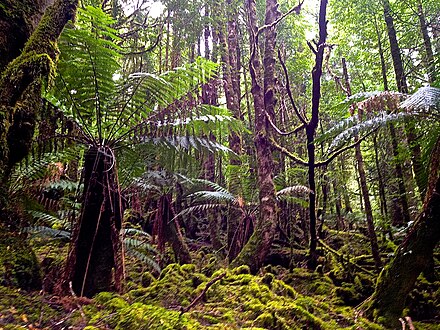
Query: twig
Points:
[289, 91]
[280, 132]
[76, 301]
[340, 256]
[286, 152]
[201, 295]
[296, 10]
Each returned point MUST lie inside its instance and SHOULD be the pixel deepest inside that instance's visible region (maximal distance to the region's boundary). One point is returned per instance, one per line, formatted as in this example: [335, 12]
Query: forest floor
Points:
[205, 295]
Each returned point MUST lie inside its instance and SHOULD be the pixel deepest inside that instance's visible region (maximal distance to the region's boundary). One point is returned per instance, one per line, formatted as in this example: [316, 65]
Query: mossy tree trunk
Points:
[22, 81]
[18, 19]
[263, 92]
[413, 256]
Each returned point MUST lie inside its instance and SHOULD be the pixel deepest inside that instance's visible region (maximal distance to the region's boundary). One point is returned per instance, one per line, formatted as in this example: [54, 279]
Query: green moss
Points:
[188, 268]
[244, 269]
[308, 282]
[104, 297]
[268, 279]
[139, 316]
[147, 279]
[19, 266]
[264, 320]
[115, 304]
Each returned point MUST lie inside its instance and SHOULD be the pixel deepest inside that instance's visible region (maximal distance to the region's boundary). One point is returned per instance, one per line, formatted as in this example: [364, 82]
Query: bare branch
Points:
[296, 9]
[289, 91]
[312, 48]
[289, 154]
[280, 132]
[199, 297]
[340, 151]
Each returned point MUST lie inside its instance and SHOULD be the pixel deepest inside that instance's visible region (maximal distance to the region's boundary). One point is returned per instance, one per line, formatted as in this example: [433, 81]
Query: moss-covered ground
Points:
[207, 295]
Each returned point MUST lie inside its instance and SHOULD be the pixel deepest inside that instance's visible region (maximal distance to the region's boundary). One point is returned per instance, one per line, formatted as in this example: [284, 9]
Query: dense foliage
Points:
[225, 165]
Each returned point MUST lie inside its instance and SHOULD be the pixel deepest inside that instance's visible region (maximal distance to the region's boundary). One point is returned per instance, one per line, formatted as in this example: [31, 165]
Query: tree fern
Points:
[378, 109]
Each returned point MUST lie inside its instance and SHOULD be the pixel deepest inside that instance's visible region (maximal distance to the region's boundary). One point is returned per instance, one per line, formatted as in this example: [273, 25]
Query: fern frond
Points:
[199, 208]
[366, 127]
[64, 185]
[134, 231]
[214, 186]
[145, 258]
[47, 232]
[185, 143]
[424, 99]
[213, 196]
[294, 190]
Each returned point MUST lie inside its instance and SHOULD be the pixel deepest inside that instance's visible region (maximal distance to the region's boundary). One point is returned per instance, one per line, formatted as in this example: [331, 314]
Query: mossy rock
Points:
[19, 266]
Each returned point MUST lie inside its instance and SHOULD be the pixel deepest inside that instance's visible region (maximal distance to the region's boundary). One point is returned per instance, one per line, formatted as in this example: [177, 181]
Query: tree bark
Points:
[231, 78]
[96, 243]
[402, 86]
[311, 130]
[429, 59]
[21, 83]
[413, 256]
[401, 204]
[363, 184]
[257, 248]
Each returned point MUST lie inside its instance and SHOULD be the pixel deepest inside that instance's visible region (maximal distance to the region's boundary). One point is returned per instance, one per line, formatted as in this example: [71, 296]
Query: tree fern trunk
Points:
[97, 251]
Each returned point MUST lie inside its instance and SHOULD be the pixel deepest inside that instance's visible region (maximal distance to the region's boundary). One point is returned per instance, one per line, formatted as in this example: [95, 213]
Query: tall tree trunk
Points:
[311, 130]
[400, 210]
[429, 59]
[380, 181]
[363, 183]
[412, 257]
[416, 158]
[231, 85]
[210, 96]
[257, 248]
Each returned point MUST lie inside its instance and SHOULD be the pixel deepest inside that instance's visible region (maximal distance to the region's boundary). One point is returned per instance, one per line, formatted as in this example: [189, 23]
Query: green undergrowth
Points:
[18, 263]
[238, 300]
[28, 310]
